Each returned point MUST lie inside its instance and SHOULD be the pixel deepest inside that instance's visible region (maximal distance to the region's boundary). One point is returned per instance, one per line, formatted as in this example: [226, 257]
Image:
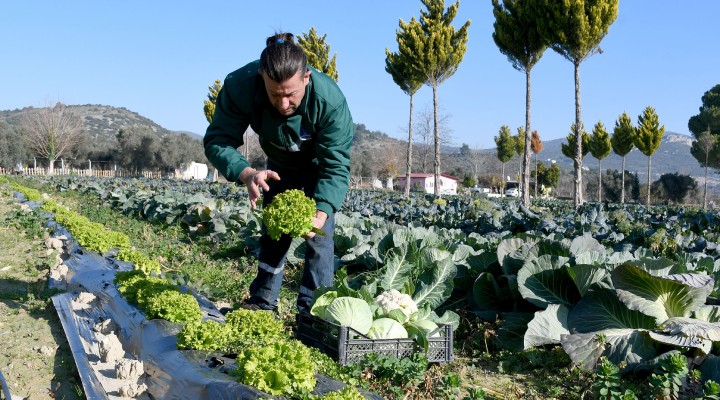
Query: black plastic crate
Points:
[347, 345]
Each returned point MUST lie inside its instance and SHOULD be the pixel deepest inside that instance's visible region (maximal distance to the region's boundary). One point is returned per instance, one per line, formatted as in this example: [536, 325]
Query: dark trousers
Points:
[319, 255]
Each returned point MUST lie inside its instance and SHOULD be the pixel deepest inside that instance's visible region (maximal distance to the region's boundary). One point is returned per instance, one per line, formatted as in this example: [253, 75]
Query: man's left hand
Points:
[318, 222]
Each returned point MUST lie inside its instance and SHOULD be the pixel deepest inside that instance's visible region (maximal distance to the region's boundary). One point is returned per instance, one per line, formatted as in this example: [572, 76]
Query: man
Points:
[305, 128]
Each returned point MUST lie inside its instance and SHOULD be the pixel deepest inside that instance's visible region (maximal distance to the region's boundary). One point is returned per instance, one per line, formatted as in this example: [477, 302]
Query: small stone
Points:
[85, 298]
[47, 350]
[132, 390]
[110, 349]
[60, 272]
[128, 369]
[105, 327]
[54, 243]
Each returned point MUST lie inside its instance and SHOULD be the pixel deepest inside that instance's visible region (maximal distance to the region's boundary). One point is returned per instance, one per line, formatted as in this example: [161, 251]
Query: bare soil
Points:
[35, 358]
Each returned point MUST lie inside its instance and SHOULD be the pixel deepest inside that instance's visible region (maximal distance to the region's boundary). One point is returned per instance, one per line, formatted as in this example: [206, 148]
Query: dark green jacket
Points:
[323, 116]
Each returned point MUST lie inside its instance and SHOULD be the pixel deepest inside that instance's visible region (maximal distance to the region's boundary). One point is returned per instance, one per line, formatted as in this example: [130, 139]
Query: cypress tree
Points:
[317, 52]
[574, 29]
[440, 50]
[505, 149]
[623, 141]
[649, 137]
[600, 148]
[568, 149]
[209, 107]
[517, 36]
[398, 65]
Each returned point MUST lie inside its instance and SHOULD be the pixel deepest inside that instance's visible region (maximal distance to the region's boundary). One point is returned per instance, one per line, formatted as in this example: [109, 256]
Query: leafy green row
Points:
[220, 210]
[29, 193]
[90, 235]
[157, 298]
[267, 358]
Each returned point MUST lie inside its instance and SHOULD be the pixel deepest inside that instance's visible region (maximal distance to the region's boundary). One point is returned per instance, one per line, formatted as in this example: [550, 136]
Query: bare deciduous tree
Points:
[424, 126]
[251, 149]
[389, 161]
[52, 132]
[704, 145]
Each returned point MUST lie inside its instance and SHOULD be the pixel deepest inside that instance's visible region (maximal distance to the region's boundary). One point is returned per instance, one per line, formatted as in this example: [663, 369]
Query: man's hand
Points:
[318, 222]
[256, 180]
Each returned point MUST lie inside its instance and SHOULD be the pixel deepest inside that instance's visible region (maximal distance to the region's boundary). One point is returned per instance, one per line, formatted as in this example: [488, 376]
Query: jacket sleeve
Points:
[225, 135]
[333, 155]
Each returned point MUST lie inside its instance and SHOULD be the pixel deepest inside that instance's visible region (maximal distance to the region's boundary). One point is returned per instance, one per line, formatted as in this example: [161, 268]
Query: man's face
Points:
[286, 96]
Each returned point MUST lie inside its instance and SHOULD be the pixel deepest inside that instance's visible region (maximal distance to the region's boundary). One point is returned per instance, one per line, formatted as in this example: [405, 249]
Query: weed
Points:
[607, 384]
[476, 336]
[448, 387]
[711, 390]
[666, 381]
[475, 394]
[29, 223]
[388, 375]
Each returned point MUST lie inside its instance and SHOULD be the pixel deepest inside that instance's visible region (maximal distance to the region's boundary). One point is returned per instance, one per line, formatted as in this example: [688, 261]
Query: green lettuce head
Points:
[289, 213]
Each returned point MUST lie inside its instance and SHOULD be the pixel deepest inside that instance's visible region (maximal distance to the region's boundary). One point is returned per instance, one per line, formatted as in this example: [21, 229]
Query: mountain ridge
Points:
[103, 122]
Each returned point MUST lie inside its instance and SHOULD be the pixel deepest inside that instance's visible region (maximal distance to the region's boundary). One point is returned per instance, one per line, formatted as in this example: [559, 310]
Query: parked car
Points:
[512, 192]
[479, 190]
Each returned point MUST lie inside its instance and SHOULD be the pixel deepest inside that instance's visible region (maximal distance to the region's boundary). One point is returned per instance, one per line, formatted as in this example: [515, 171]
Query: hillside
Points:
[672, 156]
[103, 122]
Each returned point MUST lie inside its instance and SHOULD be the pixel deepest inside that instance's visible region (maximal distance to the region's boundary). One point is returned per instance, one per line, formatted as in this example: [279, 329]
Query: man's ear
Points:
[307, 74]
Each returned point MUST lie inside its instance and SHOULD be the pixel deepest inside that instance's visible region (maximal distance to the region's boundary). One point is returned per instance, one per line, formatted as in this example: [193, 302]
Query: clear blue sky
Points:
[157, 58]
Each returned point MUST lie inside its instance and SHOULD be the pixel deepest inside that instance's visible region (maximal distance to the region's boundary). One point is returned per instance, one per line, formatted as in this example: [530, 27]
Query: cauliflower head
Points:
[394, 300]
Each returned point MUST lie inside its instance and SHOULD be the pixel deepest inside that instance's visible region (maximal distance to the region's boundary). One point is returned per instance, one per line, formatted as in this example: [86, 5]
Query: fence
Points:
[85, 172]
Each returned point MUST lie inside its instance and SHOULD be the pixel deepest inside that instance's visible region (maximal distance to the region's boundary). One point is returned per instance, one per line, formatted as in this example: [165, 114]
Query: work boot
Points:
[251, 307]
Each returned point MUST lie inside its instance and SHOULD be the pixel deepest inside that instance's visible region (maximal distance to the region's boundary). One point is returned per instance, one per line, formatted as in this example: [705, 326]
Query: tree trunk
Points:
[648, 185]
[622, 174]
[525, 185]
[599, 181]
[436, 130]
[408, 167]
[705, 191]
[577, 161]
[536, 175]
[502, 180]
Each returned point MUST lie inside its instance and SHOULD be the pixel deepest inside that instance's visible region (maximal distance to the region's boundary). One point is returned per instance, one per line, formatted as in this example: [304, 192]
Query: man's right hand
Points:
[256, 180]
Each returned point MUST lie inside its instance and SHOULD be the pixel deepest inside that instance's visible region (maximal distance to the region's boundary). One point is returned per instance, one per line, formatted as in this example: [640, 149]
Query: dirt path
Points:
[35, 358]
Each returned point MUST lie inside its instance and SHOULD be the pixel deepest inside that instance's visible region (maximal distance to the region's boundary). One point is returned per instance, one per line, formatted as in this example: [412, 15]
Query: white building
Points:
[426, 183]
[194, 171]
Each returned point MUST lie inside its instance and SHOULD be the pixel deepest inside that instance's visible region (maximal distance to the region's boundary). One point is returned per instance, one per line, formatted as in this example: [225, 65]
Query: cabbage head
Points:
[321, 303]
[387, 328]
[350, 311]
[421, 328]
